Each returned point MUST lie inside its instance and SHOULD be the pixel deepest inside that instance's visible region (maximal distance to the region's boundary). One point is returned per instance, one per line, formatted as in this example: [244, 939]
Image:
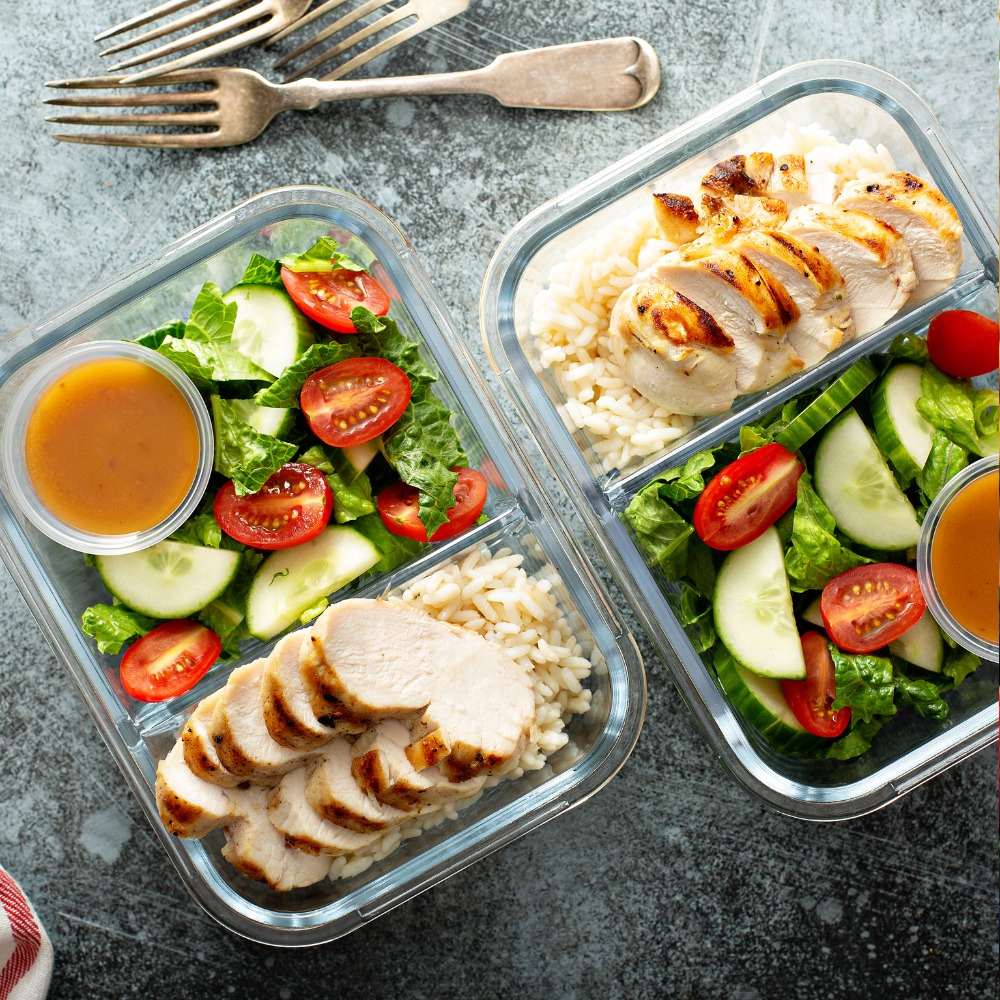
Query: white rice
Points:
[570, 316]
[495, 596]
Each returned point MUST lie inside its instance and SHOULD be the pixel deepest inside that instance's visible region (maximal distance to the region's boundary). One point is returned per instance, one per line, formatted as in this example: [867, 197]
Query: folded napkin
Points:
[25, 951]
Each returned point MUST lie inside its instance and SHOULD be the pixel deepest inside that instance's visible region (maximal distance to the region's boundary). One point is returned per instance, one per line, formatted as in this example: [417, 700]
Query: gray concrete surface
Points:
[672, 882]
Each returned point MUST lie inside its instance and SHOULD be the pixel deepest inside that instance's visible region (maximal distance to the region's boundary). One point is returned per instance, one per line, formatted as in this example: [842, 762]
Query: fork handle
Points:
[612, 74]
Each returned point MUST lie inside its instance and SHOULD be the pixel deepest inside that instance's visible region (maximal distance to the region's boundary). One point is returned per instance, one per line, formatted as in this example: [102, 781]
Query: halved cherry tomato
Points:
[963, 343]
[329, 296]
[169, 660]
[867, 607]
[293, 506]
[399, 506]
[811, 700]
[743, 500]
[354, 400]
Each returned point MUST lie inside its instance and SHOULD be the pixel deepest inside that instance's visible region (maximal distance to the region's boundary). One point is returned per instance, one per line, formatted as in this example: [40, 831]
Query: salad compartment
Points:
[850, 101]
[518, 519]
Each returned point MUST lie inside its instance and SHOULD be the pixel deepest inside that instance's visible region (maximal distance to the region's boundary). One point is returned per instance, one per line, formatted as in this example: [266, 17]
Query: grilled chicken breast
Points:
[447, 678]
[240, 734]
[302, 827]
[922, 216]
[813, 283]
[288, 711]
[199, 748]
[256, 848]
[871, 257]
[189, 805]
[335, 794]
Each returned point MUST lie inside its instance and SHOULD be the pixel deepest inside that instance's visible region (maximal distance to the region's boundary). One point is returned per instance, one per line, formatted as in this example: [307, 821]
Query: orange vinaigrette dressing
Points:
[112, 447]
[965, 557]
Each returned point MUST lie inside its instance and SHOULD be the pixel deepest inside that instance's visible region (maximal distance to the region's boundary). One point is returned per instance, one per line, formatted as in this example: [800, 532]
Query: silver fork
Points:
[425, 14]
[276, 14]
[613, 74]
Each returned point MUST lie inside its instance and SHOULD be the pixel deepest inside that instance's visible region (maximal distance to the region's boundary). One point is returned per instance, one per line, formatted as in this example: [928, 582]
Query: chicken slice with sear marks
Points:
[189, 805]
[257, 849]
[199, 748]
[302, 827]
[871, 257]
[922, 216]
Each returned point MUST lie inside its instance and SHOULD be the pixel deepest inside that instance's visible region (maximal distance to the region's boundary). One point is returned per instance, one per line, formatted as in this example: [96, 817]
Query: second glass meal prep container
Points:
[58, 586]
[851, 101]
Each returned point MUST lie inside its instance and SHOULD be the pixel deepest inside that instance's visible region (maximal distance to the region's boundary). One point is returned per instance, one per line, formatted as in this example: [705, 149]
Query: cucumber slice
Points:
[857, 486]
[269, 330]
[903, 434]
[812, 614]
[827, 405]
[169, 579]
[761, 702]
[753, 609]
[274, 420]
[921, 644]
[360, 456]
[291, 581]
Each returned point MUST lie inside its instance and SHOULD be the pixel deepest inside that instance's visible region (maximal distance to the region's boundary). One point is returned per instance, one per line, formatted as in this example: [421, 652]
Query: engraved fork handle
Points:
[613, 74]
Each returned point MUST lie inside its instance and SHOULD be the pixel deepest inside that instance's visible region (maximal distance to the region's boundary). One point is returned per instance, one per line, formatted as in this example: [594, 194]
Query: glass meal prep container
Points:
[58, 585]
[850, 100]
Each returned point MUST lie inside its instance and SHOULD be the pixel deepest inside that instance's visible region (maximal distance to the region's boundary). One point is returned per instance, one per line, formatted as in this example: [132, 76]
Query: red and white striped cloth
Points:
[25, 951]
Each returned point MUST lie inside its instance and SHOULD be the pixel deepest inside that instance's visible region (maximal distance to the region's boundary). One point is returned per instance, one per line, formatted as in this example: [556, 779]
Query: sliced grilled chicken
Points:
[257, 849]
[740, 174]
[333, 792]
[199, 748]
[382, 766]
[922, 216]
[288, 711]
[871, 257]
[302, 827]
[676, 216]
[672, 351]
[189, 805]
[747, 303]
[240, 735]
[789, 181]
[813, 283]
[373, 660]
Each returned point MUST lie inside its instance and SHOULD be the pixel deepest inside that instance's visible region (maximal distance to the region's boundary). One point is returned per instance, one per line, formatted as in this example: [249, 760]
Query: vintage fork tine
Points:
[133, 100]
[194, 17]
[308, 18]
[331, 29]
[140, 19]
[147, 140]
[179, 118]
[195, 38]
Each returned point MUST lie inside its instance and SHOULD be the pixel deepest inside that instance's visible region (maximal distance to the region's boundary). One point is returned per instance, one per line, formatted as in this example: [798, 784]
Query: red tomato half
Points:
[747, 497]
[355, 400]
[399, 506]
[811, 700]
[293, 506]
[963, 343]
[867, 607]
[329, 296]
[169, 660]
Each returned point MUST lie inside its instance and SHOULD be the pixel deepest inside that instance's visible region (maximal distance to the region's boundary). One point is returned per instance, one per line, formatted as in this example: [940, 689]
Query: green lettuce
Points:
[945, 460]
[112, 625]
[662, 532]
[958, 663]
[923, 696]
[395, 549]
[284, 391]
[242, 453]
[262, 271]
[909, 347]
[212, 319]
[352, 491]
[323, 255]
[864, 684]
[968, 416]
[815, 555]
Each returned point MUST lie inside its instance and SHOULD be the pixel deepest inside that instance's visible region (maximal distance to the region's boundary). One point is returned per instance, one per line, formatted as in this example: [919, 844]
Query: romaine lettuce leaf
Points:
[262, 271]
[687, 482]
[208, 362]
[112, 625]
[959, 663]
[815, 555]
[946, 459]
[243, 454]
[923, 696]
[394, 548]
[965, 414]
[323, 255]
[284, 391]
[352, 491]
[212, 319]
[661, 531]
[864, 684]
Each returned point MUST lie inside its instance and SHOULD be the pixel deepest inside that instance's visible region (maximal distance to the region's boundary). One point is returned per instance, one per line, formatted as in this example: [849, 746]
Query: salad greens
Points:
[964, 421]
[420, 449]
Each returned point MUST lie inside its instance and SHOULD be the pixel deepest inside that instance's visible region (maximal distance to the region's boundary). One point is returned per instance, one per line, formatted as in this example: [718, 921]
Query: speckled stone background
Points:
[672, 882]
